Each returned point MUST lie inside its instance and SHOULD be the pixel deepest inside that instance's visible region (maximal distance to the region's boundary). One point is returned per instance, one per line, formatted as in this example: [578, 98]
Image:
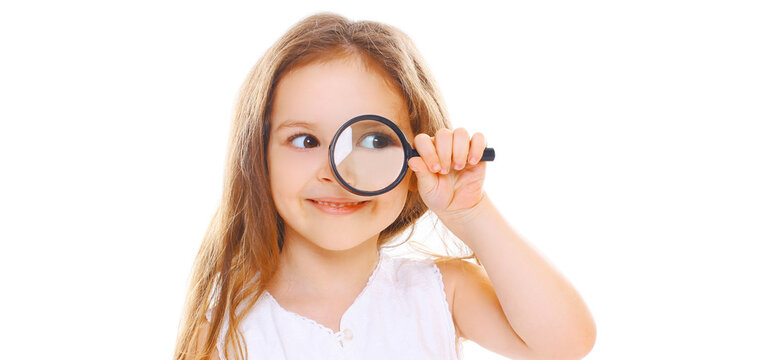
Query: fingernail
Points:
[436, 168]
[473, 160]
[458, 167]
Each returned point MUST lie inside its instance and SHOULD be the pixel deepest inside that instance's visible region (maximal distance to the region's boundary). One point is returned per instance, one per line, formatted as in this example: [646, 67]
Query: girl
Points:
[293, 266]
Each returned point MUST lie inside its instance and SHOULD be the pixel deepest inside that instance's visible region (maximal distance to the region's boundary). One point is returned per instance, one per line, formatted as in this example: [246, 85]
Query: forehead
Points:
[322, 96]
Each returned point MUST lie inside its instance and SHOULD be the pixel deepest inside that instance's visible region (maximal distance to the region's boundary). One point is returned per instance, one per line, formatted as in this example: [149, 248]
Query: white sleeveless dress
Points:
[402, 313]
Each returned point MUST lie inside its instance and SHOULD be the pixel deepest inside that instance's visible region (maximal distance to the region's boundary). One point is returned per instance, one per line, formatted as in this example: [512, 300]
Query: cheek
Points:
[282, 178]
[289, 172]
[397, 197]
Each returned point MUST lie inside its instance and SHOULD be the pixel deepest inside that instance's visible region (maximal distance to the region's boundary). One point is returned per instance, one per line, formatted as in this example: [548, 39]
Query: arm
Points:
[516, 305]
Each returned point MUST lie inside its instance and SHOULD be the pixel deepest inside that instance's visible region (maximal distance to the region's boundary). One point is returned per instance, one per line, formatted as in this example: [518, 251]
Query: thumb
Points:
[426, 180]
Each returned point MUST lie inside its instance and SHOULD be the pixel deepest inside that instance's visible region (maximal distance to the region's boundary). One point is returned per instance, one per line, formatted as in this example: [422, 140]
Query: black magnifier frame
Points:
[488, 154]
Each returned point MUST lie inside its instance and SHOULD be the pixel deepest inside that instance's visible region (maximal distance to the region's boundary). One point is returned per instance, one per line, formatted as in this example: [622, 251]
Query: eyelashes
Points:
[312, 141]
[374, 140]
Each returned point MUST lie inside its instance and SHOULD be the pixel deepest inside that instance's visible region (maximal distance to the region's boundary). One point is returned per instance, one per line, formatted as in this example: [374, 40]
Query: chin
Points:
[338, 245]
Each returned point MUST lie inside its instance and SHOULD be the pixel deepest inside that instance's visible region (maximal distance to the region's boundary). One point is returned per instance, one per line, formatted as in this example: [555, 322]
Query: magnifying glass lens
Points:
[368, 155]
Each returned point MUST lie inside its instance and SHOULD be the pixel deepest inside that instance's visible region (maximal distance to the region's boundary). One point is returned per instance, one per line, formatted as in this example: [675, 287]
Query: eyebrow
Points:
[308, 125]
[294, 123]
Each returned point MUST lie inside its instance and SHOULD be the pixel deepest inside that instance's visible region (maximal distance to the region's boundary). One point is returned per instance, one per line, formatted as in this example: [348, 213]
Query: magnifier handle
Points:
[488, 154]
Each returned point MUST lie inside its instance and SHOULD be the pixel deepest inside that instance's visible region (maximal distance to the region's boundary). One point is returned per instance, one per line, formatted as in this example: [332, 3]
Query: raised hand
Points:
[449, 172]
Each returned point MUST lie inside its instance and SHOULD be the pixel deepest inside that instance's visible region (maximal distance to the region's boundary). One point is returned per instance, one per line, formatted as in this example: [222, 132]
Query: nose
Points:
[325, 173]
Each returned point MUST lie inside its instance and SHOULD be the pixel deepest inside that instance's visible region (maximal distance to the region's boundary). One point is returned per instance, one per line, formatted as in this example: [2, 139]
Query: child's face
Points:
[325, 96]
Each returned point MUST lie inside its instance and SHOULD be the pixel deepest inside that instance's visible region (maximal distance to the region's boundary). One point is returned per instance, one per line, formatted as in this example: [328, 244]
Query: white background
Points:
[626, 136]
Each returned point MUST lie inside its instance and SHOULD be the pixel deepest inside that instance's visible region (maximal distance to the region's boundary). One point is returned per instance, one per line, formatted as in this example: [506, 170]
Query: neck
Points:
[308, 270]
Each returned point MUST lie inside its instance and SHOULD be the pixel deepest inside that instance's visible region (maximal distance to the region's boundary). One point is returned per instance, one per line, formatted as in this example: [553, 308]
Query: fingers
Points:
[443, 143]
[460, 148]
[424, 146]
[477, 147]
[449, 150]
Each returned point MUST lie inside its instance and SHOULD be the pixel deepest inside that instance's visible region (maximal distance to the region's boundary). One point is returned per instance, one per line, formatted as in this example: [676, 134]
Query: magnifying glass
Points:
[369, 155]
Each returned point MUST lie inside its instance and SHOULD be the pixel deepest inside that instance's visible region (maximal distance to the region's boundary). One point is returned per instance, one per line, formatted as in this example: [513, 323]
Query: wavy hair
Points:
[241, 248]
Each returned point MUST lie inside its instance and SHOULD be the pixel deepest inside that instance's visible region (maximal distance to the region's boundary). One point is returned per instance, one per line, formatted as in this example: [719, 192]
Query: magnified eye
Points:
[304, 141]
[376, 141]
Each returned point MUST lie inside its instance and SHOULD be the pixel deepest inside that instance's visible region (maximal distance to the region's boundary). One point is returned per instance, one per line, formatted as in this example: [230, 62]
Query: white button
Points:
[347, 334]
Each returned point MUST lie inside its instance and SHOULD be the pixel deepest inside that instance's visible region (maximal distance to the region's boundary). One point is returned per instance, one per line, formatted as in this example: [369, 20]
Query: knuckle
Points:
[421, 140]
[442, 131]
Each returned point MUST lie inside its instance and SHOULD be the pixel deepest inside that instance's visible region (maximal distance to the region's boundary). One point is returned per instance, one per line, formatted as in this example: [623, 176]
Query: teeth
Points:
[338, 205]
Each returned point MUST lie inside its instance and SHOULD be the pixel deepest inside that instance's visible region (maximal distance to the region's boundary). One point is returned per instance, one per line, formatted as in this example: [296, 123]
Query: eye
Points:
[375, 141]
[303, 141]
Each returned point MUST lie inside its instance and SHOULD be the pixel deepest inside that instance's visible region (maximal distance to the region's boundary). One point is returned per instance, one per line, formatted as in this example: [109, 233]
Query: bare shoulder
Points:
[452, 272]
[456, 270]
[476, 310]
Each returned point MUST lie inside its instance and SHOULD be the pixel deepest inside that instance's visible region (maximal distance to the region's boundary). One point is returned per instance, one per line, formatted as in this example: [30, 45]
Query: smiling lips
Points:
[336, 206]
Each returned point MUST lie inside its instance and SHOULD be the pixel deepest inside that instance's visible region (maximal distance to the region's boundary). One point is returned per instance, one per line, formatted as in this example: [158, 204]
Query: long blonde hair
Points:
[241, 247]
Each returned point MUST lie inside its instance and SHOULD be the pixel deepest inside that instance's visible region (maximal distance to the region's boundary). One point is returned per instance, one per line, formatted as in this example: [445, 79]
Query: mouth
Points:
[338, 204]
[338, 207]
